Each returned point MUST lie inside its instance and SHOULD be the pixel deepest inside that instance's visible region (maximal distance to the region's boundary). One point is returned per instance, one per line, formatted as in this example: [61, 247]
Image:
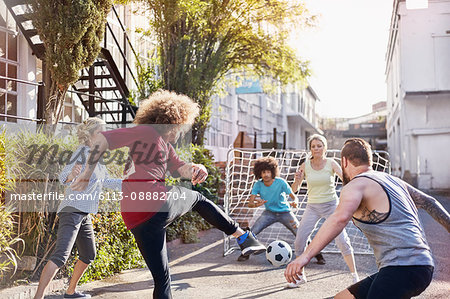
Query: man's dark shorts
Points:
[394, 282]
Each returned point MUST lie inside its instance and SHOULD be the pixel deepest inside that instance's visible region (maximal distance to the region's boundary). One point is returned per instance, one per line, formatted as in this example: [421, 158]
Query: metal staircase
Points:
[102, 87]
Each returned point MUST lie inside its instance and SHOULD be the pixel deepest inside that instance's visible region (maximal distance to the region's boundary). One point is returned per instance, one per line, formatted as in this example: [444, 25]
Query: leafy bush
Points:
[8, 237]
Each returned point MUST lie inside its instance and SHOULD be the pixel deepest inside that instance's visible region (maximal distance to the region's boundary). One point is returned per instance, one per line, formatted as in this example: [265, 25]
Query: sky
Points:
[347, 52]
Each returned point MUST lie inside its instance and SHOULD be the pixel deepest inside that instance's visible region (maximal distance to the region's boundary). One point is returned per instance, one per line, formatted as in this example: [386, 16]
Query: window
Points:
[72, 112]
[8, 68]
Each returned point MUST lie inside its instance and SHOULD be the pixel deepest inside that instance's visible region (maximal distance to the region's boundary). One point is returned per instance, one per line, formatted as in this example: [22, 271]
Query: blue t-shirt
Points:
[275, 194]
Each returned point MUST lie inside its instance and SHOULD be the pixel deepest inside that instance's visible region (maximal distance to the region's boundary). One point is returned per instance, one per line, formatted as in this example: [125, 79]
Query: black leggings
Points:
[150, 236]
[396, 282]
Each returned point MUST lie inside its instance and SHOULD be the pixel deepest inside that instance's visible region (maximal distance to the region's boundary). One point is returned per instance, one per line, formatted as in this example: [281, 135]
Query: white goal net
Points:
[240, 180]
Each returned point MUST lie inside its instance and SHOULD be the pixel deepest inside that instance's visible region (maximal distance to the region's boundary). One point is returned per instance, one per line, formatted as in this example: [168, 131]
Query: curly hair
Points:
[167, 108]
[87, 127]
[266, 163]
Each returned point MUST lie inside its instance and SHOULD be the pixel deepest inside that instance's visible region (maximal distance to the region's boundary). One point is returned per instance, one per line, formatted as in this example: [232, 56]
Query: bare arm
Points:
[299, 176]
[337, 169]
[431, 206]
[351, 196]
[76, 170]
[294, 202]
[99, 146]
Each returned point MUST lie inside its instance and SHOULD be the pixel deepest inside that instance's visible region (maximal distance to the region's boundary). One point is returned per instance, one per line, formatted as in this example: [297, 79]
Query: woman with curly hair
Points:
[319, 172]
[148, 205]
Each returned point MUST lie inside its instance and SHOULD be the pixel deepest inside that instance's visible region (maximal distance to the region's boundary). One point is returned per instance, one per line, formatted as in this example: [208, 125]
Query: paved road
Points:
[200, 271]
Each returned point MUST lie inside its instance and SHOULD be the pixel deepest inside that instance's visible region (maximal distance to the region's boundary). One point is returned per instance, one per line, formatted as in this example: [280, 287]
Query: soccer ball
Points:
[279, 253]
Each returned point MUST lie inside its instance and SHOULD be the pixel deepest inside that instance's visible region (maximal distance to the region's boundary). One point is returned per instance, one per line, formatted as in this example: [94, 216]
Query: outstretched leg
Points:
[215, 216]
[192, 200]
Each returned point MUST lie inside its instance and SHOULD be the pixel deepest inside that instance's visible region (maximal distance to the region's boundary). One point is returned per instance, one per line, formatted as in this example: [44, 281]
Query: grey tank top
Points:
[399, 239]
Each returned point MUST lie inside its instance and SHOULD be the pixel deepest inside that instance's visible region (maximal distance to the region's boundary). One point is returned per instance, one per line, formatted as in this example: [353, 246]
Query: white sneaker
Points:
[355, 277]
[301, 280]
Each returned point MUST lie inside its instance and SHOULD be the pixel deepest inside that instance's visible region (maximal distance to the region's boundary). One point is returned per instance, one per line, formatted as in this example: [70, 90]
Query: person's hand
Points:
[299, 174]
[199, 174]
[293, 204]
[80, 183]
[256, 203]
[295, 268]
[76, 170]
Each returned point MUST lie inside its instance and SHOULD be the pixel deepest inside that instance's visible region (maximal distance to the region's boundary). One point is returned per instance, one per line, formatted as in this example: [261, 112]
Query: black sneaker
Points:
[243, 258]
[320, 259]
[250, 245]
[77, 295]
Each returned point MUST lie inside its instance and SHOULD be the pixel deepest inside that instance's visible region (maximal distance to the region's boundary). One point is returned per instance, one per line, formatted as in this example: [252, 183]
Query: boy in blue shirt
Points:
[274, 192]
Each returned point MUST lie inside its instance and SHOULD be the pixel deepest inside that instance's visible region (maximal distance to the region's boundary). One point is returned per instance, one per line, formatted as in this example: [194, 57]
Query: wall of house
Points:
[16, 61]
[418, 81]
[424, 46]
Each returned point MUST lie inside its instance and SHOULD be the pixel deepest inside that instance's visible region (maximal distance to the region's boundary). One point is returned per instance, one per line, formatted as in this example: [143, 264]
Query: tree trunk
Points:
[202, 122]
[54, 102]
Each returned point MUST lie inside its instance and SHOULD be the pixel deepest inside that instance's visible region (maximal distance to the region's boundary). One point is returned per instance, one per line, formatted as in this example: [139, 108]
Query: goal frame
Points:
[228, 248]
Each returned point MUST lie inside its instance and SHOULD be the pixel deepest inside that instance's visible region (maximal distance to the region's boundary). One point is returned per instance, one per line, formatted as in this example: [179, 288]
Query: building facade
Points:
[123, 48]
[283, 119]
[371, 127]
[418, 93]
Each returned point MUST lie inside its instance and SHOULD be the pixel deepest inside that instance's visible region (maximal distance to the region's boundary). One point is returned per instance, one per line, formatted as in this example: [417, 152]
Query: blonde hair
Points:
[318, 138]
[87, 127]
[167, 108]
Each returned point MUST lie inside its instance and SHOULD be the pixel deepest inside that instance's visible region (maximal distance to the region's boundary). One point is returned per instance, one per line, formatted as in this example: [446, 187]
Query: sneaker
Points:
[301, 280]
[77, 295]
[249, 244]
[243, 258]
[355, 277]
[320, 259]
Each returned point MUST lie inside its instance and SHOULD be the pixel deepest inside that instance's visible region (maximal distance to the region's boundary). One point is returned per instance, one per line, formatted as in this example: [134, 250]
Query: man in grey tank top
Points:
[384, 208]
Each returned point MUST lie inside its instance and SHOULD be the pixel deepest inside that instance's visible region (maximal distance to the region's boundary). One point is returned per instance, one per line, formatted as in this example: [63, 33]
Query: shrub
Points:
[8, 237]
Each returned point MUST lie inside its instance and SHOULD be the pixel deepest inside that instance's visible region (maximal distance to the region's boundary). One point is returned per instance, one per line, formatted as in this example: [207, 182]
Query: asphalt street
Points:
[200, 271]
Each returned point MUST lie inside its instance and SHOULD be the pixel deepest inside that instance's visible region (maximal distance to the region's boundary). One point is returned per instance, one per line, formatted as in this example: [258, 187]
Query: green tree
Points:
[200, 41]
[71, 31]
